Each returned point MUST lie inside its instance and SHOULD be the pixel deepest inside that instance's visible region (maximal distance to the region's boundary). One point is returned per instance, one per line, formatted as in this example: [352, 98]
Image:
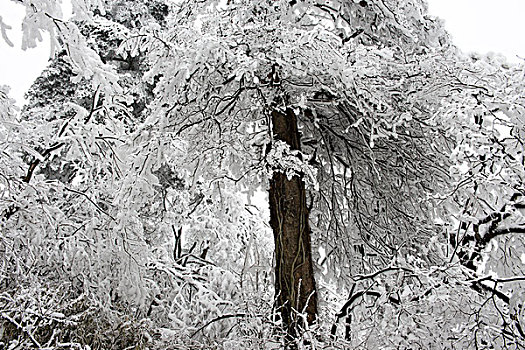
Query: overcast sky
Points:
[475, 25]
[19, 68]
[484, 25]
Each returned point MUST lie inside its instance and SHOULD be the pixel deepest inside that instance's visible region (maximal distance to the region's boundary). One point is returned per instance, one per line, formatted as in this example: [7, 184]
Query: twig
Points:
[35, 162]
[22, 328]
[89, 199]
[498, 280]
[217, 319]
[374, 274]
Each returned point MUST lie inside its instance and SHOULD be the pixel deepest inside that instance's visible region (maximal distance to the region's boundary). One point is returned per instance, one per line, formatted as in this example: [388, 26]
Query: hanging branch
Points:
[92, 202]
[47, 152]
[37, 161]
[223, 317]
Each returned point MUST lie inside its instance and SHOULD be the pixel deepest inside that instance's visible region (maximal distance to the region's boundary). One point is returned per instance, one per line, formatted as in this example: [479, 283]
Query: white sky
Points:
[475, 25]
[18, 68]
[484, 25]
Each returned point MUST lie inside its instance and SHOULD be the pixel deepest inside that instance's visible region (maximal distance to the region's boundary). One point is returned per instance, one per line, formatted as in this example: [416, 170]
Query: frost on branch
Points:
[292, 163]
[7, 104]
[150, 222]
[3, 28]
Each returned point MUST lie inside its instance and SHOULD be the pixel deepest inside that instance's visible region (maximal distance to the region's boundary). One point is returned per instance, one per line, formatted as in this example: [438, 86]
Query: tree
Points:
[89, 261]
[349, 113]
[293, 74]
[289, 219]
[486, 234]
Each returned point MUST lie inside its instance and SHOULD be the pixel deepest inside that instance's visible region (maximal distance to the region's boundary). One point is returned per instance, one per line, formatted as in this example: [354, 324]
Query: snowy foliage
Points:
[131, 183]
[293, 163]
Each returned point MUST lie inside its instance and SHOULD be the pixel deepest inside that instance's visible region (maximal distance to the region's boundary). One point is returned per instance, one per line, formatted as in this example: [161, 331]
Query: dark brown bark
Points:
[294, 278]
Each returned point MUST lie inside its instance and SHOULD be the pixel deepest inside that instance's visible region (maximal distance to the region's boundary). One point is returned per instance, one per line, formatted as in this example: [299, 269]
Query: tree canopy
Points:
[167, 141]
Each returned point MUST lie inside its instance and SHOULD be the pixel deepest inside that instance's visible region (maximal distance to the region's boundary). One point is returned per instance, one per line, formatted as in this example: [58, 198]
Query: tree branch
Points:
[92, 202]
[215, 320]
[374, 274]
[36, 162]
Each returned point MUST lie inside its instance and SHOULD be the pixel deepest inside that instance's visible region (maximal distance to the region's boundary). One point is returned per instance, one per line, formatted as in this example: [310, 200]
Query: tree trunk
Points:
[294, 278]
